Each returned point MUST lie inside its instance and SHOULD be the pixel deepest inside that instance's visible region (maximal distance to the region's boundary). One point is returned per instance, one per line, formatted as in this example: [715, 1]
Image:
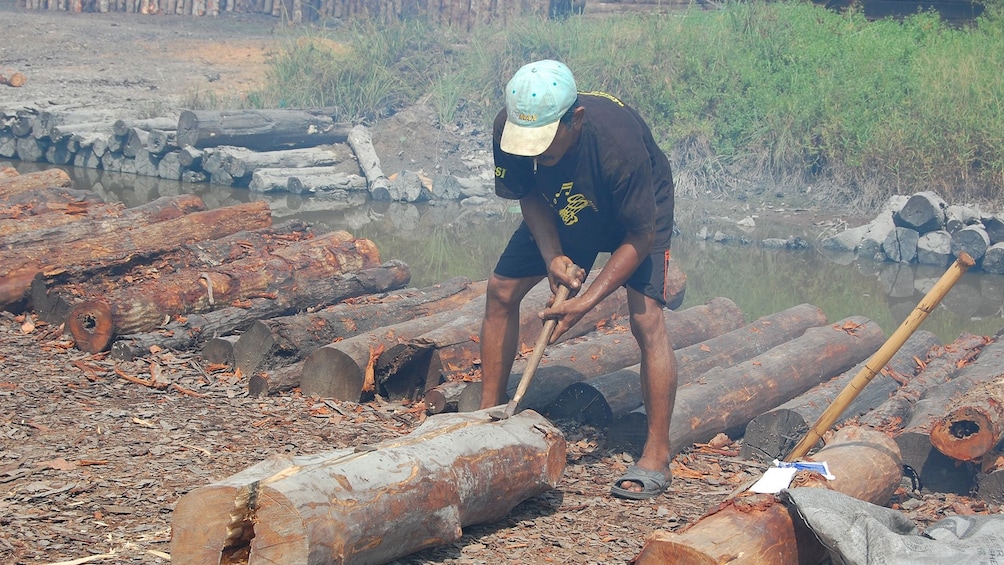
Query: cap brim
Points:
[527, 142]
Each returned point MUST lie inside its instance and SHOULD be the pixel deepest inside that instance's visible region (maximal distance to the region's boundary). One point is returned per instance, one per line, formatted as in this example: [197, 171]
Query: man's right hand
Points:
[562, 271]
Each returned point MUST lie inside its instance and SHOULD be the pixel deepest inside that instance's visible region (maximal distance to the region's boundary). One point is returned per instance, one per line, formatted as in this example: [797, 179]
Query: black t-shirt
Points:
[615, 180]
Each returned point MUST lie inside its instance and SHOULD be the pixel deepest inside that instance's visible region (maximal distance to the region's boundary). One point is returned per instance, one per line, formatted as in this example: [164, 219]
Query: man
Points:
[589, 178]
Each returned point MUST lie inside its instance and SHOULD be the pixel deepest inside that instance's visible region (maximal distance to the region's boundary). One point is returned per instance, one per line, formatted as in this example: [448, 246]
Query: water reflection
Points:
[442, 240]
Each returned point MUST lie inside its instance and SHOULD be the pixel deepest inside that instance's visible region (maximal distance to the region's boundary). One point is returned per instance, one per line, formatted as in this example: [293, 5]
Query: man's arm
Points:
[540, 219]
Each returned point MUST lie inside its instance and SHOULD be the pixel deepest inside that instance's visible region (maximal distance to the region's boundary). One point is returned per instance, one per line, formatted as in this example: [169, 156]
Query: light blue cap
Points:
[535, 99]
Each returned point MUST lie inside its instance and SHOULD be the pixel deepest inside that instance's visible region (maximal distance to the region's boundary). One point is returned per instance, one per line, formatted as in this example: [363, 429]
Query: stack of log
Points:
[297, 151]
[105, 271]
[926, 230]
[457, 14]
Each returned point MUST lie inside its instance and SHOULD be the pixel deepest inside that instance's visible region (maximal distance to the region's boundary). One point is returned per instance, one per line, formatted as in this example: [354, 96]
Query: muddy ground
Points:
[93, 460]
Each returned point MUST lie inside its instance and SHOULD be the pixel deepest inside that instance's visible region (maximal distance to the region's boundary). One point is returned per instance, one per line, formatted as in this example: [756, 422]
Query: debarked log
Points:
[936, 471]
[50, 229]
[773, 434]
[975, 425]
[371, 504]
[198, 328]
[143, 307]
[758, 529]
[599, 400]
[47, 200]
[17, 270]
[727, 399]
[603, 353]
[245, 164]
[28, 182]
[261, 130]
[346, 369]
[942, 365]
[272, 343]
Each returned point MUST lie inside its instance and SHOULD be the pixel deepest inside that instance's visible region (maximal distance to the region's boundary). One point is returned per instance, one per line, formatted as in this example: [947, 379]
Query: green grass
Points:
[753, 93]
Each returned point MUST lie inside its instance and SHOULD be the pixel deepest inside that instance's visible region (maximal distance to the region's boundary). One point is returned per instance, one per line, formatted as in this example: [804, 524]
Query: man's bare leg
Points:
[500, 335]
[658, 381]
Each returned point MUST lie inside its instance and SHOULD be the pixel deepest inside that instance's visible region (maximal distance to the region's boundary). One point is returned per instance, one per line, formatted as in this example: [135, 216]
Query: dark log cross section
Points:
[371, 504]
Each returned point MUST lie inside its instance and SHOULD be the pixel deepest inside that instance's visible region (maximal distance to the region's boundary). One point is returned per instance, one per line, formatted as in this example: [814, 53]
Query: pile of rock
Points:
[924, 229]
[297, 151]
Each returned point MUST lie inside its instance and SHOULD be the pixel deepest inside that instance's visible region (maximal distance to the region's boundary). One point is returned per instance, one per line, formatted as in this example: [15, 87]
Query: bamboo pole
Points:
[883, 355]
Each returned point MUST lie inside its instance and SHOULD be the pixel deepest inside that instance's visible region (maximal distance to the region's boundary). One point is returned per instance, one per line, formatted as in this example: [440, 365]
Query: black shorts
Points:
[522, 259]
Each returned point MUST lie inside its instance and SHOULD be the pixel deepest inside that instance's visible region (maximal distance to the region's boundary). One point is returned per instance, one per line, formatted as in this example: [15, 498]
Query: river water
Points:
[442, 240]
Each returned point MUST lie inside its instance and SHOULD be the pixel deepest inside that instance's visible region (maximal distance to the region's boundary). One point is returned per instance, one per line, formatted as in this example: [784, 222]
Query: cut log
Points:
[773, 434]
[923, 212]
[61, 229]
[322, 179]
[121, 127]
[372, 504]
[361, 142]
[941, 366]
[601, 354]
[29, 182]
[272, 343]
[13, 228]
[993, 259]
[936, 471]
[220, 350]
[975, 425]
[245, 164]
[727, 399]
[901, 245]
[20, 267]
[990, 486]
[973, 240]
[339, 370]
[599, 400]
[262, 130]
[197, 328]
[45, 201]
[758, 529]
[143, 307]
[455, 347]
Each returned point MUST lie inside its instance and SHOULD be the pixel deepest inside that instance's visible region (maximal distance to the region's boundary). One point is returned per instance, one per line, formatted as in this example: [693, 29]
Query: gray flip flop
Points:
[653, 483]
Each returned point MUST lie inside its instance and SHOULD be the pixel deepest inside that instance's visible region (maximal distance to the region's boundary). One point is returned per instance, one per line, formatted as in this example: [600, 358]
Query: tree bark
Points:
[339, 370]
[727, 399]
[46, 201]
[599, 400]
[975, 425]
[773, 434]
[30, 182]
[272, 343]
[372, 504]
[12, 228]
[48, 230]
[936, 471]
[758, 529]
[940, 367]
[262, 130]
[143, 307]
[112, 250]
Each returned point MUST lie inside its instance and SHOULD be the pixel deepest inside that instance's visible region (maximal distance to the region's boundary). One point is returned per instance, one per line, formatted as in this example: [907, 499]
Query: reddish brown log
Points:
[941, 366]
[110, 250]
[773, 434]
[272, 343]
[727, 399]
[758, 529]
[371, 504]
[597, 401]
[59, 229]
[936, 471]
[49, 178]
[143, 307]
[604, 352]
[196, 328]
[45, 201]
[338, 370]
[69, 214]
[975, 425]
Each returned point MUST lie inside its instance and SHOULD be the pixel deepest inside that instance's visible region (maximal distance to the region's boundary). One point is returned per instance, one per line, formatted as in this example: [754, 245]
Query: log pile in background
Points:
[297, 151]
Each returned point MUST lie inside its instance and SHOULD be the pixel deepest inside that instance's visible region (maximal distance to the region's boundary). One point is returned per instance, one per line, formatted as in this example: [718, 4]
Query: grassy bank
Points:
[744, 96]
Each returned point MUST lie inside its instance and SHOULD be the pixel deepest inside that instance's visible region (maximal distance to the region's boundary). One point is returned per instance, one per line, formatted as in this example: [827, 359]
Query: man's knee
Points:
[504, 294]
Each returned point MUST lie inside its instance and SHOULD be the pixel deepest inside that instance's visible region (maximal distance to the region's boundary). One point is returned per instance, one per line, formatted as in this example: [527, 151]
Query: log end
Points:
[330, 373]
[966, 435]
[581, 402]
[90, 324]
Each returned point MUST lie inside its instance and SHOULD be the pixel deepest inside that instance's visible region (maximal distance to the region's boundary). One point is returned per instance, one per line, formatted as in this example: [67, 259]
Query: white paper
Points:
[774, 480]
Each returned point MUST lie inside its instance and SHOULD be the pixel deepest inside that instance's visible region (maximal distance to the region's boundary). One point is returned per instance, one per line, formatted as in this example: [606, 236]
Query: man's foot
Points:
[641, 484]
